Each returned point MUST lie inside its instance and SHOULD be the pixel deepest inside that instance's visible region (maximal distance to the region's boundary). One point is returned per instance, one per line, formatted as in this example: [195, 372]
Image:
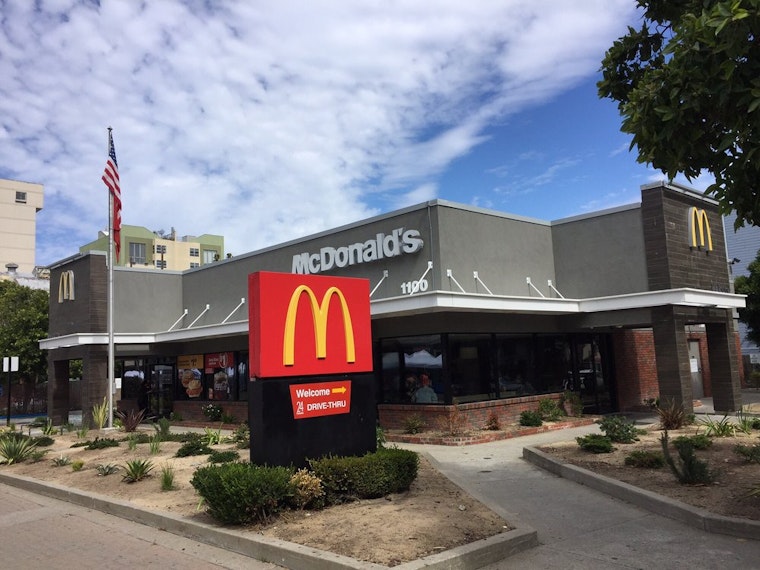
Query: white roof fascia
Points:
[437, 301]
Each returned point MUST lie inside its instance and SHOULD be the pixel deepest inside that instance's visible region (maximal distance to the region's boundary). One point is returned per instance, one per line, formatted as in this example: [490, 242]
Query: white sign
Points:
[10, 364]
[382, 246]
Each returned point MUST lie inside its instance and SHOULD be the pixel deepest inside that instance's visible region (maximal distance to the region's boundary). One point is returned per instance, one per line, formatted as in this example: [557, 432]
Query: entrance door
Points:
[591, 378]
[695, 365]
[161, 376]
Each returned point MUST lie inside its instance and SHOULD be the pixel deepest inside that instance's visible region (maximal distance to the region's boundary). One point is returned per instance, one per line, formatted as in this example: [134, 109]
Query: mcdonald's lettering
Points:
[66, 286]
[302, 325]
[319, 312]
[699, 229]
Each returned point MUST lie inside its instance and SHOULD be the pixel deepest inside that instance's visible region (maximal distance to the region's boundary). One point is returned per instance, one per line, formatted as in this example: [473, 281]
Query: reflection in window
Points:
[409, 365]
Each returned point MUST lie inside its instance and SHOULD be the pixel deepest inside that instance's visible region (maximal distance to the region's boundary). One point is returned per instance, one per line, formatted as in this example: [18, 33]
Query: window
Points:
[159, 249]
[210, 256]
[161, 264]
[136, 253]
[195, 252]
[21, 197]
[194, 264]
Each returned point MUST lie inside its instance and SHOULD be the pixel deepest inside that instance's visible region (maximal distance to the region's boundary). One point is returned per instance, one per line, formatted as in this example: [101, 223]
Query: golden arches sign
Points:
[66, 286]
[319, 313]
[699, 229]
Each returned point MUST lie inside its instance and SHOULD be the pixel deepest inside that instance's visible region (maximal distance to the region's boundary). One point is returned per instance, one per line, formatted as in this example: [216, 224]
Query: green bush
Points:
[43, 441]
[530, 418]
[698, 441]
[618, 429]
[549, 410]
[750, 453]
[688, 469]
[645, 459]
[672, 415]
[193, 447]
[240, 493]
[241, 437]
[389, 470]
[308, 492]
[223, 456]
[595, 443]
[414, 424]
[16, 449]
[101, 443]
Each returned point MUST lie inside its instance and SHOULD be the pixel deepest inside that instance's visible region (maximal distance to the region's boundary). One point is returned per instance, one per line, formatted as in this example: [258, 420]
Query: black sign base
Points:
[277, 438]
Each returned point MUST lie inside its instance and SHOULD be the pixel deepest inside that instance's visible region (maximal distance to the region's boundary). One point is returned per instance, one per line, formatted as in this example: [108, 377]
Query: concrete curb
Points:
[287, 554]
[658, 504]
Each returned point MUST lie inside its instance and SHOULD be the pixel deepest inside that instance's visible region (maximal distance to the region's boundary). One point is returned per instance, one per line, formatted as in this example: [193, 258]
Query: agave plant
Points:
[137, 470]
[16, 449]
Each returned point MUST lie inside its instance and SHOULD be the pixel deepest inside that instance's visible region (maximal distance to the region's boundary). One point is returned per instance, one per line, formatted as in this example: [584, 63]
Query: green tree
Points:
[687, 84]
[23, 322]
[749, 285]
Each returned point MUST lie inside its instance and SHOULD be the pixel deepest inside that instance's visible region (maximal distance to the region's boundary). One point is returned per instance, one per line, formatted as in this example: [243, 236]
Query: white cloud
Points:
[263, 121]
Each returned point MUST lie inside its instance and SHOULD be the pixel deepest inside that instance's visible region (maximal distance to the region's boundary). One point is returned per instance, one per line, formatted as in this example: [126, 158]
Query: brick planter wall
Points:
[473, 415]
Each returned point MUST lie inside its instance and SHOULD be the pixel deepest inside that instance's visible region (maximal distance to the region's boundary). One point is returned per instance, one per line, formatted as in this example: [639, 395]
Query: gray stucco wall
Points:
[601, 254]
[146, 300]
[504, 250]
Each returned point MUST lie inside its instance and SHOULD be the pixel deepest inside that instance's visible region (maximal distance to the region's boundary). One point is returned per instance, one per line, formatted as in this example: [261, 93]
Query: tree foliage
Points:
[749, 285]
[23, 323]
[687, 84]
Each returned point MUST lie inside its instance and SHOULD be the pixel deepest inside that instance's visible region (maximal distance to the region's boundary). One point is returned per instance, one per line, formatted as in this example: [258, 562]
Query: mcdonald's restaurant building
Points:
[491, 312]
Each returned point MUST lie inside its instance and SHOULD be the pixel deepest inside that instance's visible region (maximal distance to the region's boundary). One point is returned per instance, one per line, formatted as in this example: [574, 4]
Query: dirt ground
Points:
[729, 495]
[435, 514]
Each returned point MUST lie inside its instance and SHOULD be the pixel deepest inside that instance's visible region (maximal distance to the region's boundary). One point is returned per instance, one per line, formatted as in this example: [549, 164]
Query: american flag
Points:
[111, 179]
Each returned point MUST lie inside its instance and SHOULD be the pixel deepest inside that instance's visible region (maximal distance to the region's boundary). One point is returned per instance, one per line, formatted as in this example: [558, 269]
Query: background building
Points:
[141, 247]
[19, 204]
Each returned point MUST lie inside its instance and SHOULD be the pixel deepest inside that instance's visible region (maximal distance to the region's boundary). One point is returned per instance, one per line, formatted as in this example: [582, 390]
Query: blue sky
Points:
[267, 121]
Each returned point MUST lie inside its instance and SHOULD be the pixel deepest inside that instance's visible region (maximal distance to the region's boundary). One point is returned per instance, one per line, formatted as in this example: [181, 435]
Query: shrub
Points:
[16, 449]
[492, 422]
[414, 424]
[755, 423]
[163, 427]
[549, 410]
[137, 470]
[61, 461]
[155, 444]
[380, 437]
[530, 418]
[698, 441]
[744, 422]
[241, 437]
[228, 418]
[212, 436]
[572, 400]
[719, 428]
[101, 443]
[131, 419]
[107, 469]
[388, 470]
[175, 417]
[43, 441]
[307, 490]
[618, 429]
[223, 456]
[672, 415]
[595, 443]
[240, 493]
[100, 413]
[750, 453]
[193, 447]
[167, 478]
[47, 427]
[213, 412]
[77, 465]
[645, 459]
[688, 470]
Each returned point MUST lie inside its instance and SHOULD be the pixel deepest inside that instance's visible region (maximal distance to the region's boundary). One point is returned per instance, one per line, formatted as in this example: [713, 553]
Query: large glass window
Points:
[470, 358]
[209, 256]
[412, 370]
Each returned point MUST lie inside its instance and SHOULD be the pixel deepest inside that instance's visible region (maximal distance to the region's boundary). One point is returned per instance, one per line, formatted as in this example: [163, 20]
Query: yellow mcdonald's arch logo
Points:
[66, 286]
[319, 311]
[699, 229]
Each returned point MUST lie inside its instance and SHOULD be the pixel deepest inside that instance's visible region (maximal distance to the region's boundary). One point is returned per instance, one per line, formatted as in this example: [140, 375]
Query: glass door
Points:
[161, 376]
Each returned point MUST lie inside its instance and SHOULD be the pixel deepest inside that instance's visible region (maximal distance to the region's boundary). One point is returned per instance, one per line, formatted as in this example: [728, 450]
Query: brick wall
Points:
[474, 415]
[635, 368]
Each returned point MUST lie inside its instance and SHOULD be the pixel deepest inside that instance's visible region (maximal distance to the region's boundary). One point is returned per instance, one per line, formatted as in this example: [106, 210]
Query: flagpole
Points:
[110, 300]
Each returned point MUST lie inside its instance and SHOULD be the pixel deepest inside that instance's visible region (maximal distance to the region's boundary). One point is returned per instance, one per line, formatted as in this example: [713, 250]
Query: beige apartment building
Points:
[143, 248]
[19, 204]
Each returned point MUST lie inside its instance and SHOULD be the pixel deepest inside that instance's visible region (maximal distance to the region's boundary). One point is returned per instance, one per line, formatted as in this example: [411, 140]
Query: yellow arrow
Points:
[341, 390]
